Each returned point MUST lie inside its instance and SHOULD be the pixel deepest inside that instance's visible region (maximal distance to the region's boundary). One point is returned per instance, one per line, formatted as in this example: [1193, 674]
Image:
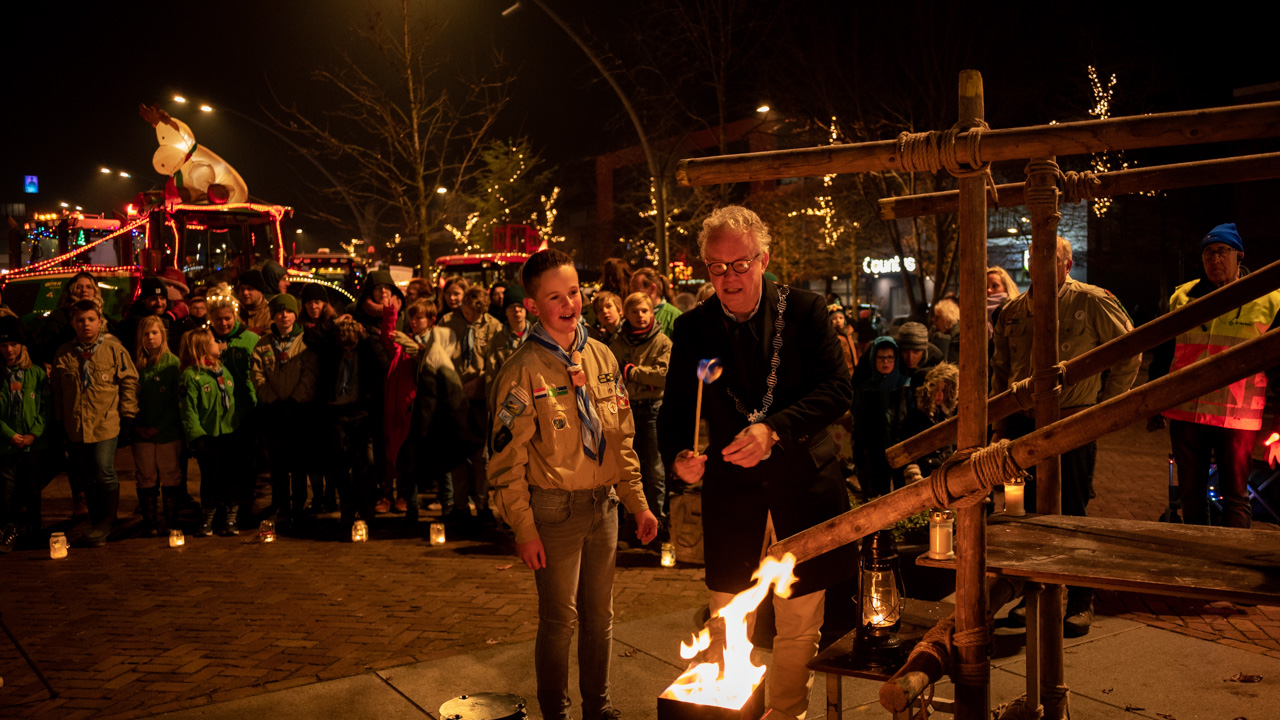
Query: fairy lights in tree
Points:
[832, 229]
[546, 229]
[1101, 162]
[351, 246]
[463, 236]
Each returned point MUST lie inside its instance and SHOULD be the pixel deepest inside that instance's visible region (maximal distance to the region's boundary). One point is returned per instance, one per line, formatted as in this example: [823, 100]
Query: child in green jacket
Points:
[207, 407]
[26, 412]
[158, 444]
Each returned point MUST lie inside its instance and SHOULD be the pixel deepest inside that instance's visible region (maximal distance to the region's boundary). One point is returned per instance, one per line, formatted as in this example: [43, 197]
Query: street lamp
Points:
[659, 190]
[104, 171]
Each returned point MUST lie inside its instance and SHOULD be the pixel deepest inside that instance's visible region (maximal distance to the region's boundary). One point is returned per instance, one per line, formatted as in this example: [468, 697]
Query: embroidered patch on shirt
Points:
[540, 393]
[558, 391]
[560, 422]
[501, 439]
[513, 405]
[604, 377]
[520, 393]
[624, 402]
[506, 417]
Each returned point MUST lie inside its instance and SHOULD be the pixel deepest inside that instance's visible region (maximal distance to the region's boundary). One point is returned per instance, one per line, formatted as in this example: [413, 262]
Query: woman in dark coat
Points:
[881, 401]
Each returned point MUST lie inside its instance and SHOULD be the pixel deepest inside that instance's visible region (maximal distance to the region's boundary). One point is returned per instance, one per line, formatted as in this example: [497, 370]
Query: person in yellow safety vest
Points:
[1221, 426]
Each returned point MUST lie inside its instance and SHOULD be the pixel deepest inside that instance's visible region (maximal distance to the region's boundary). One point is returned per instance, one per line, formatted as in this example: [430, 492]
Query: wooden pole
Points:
[1187, 127]
[1228, 366]
[1167, 326]
[973, 692]
[1046, 266]
[1121, 182]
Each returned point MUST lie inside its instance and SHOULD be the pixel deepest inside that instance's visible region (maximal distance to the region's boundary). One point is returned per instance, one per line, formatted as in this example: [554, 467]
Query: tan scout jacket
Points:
[536, 437]
[294, 379]
[93, 415]
[650, 358]
[1087, 317]
[472, 373]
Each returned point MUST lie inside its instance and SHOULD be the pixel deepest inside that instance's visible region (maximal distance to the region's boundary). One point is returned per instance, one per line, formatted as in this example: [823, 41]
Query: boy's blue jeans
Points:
[93, 464]
[579, 533]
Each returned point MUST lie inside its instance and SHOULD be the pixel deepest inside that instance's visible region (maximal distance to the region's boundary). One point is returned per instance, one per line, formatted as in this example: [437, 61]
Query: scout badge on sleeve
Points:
[708, 372]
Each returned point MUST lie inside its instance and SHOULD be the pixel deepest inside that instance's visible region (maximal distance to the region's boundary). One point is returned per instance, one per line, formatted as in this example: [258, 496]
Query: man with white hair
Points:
[770, 469]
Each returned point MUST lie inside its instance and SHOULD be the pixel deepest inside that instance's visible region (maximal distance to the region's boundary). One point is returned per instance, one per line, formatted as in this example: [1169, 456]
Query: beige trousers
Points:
[157, 461]
[798, 621]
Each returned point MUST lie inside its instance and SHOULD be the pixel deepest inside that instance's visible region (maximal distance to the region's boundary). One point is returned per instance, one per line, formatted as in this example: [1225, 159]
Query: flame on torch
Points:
[730, 684]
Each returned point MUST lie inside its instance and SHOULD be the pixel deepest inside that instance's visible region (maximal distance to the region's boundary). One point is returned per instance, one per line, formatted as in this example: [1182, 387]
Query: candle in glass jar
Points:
[1014, 495]
[58, 546]
[668, 555]
[176, 539]
[267, 531]
[359, 531]
[941, 534]
[437, 533]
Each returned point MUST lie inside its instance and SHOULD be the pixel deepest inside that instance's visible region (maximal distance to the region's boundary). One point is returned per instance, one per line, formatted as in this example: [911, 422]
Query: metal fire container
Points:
[753, 709]
[484, 706]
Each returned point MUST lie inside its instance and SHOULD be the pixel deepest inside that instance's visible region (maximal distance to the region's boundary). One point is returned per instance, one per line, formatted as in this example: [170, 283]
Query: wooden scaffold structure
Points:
[959, 645]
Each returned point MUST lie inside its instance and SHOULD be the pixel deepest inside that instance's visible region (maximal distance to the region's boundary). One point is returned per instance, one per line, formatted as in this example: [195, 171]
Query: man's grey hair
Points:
[738, 218]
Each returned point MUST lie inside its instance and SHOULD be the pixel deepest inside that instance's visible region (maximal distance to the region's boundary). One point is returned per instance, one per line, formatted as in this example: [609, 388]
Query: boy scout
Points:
[562, 459]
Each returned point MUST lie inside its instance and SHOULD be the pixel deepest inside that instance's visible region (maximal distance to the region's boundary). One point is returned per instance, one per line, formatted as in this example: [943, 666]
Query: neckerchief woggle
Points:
[86, 354]
[15, 390]
[593, 441]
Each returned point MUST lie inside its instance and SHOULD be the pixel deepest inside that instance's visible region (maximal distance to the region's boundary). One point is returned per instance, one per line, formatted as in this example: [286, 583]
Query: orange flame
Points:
[729, 685]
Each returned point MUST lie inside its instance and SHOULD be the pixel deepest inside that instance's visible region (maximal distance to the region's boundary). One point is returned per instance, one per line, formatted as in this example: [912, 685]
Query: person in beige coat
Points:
[643, 352]
[475, 329]
[284, 372]
[95, 391]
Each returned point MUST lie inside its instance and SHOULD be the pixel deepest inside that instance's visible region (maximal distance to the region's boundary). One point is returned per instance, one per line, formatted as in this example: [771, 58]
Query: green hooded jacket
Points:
[159, 387]
[33, 415]
[238, 358]
[201, 404]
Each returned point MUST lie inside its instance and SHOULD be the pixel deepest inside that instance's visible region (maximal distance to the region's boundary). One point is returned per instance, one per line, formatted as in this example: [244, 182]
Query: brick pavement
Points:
[138, 629]
[1131, 481]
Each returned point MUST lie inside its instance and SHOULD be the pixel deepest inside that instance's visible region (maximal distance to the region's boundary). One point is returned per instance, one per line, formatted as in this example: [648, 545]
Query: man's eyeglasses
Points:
[739, 266]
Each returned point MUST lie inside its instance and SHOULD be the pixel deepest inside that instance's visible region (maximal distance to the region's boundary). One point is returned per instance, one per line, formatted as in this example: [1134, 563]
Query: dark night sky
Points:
[76, 74]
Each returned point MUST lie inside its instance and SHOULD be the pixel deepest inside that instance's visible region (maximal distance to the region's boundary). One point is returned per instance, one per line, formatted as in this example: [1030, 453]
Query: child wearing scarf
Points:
[95, 389]
[158, 444]
[207, 407]
[26, 416]
[284, 371]
[562, 461]
[643, 351]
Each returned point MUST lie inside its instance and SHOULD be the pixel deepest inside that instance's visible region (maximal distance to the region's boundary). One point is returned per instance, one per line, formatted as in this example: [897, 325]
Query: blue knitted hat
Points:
[1226, 234]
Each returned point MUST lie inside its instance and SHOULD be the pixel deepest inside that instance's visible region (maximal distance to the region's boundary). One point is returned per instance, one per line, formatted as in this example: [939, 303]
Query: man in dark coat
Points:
[770, 469]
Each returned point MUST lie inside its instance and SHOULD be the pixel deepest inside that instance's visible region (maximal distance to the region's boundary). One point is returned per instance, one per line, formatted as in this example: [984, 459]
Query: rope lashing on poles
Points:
[1024, 390]
[978, 673]
[992, 465]
[1079, 186]
[1045, 195]
[933, 151]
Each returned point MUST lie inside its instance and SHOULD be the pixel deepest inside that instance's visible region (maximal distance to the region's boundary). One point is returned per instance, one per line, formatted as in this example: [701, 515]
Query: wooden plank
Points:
[1121, 182]
[1190, 561]
[1187, 127]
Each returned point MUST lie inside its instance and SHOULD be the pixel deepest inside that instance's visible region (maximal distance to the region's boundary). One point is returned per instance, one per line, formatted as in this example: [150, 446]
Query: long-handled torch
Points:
[708, 371]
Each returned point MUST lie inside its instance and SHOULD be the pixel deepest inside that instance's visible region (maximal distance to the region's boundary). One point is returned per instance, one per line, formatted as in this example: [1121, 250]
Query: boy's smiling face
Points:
[558, 301]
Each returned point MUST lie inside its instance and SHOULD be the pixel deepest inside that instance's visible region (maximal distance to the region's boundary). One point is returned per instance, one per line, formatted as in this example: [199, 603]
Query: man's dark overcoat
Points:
[801, 482]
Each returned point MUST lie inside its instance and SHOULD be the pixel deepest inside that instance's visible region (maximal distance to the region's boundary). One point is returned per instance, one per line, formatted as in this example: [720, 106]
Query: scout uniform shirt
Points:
[1087, 317]
[536, 436]
[92, 414]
